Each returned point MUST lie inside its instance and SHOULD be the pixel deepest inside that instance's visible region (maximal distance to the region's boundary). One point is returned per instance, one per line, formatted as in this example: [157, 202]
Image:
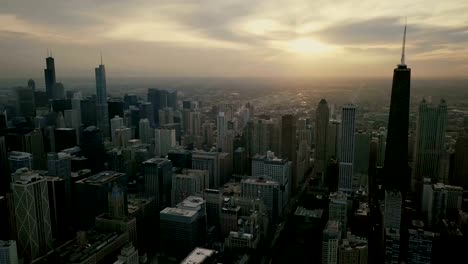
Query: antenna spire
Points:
[403, 48]
[101, 57]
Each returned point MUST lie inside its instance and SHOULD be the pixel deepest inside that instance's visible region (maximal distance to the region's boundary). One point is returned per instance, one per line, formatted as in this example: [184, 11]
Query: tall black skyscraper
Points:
[396, 170]
[49, 75]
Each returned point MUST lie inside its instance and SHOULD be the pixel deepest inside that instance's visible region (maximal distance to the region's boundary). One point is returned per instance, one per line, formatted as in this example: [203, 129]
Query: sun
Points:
[307, 46]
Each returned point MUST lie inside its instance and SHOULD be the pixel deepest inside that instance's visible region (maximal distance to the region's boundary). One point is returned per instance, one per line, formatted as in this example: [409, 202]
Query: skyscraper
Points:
[460, 164]
[221, 126]
[396, 170]
[330, 240]
[430, 142]
[322, 116]
[348, 127]
[115, 123]
[32, 214]
[158, 181]
[49, 76]
[59, 164]
[25, 105]
[102, 114]
[145, 131]
[18, 160]
[288, 145]
[8, 252]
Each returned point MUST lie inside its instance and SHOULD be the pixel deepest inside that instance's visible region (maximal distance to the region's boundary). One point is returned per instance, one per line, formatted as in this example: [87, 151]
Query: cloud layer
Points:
[233, 38]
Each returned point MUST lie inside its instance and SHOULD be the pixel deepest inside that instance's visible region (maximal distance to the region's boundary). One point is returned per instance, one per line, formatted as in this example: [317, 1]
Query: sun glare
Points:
[306, 46]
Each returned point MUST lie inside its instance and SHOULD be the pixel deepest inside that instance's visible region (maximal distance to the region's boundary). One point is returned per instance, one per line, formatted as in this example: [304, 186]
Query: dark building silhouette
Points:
[180, 158]
[396, 153]
[93, 148]
[88, 112]
[4, 169]
[102, 111]
[40, 98]
[64, 138]
[116, 107]
[60, 105]
[49, 76]
[288, 145]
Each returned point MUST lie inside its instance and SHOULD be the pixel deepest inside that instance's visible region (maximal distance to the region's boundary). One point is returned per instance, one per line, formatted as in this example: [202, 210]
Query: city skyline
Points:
[233, 38]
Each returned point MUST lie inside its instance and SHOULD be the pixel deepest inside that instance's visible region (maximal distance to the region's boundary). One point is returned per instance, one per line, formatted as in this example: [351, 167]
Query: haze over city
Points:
[285, 38]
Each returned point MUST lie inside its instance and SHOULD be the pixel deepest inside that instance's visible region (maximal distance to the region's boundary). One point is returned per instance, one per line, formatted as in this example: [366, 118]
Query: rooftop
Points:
[191, 202]
[101, 177]
[178, 212]
[301, 211]
[198, 255]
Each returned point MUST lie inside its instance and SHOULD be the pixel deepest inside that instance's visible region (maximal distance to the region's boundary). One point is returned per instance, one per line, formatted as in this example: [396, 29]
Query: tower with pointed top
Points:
[396, 170]
[102, 114]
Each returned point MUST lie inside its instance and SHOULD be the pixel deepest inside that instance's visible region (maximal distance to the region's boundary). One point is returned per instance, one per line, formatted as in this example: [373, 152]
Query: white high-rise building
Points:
[116, 123]
[348, 127]
[330, 242]
[122, 136]
[145, 131]
[8, 252]
[164, 139]
[31, 199]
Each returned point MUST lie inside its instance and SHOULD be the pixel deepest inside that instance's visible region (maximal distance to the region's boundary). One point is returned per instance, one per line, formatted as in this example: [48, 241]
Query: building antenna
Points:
[47, 52]
[403, 48]
[101, 57]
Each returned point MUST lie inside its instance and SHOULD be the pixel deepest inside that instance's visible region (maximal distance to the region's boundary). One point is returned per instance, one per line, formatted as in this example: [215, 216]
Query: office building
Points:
[91, 197]
[25, 104]
[420, 245]
[337, 210]
[221, 127]
[58, 91]
[240, 162]
[64, 138]
[157, 173]
[8, 252]
[122, 136]
[322, 117]
[18, 160]
[353, 251]
[430, 143]
[392, 246]
[116, 107]
[202, 160]
[396, 170]
[4, 167]
[102, 110]
[93, 148]
[49, 76]
[180, 157]
[214, 199]
[275, 168]
[288, 146]
[437, 204]
[330, 241]
[460, 162]
[181, 230]
[188, 183]
[164, 140]
[392, 209]
[116, 123]
[145, 132]
[128, 255]
[31, 203]
[266, 190]
[59, 165]
[116, 219]
[59, 221]
[145, 213]
[333, 139]
[346, 158]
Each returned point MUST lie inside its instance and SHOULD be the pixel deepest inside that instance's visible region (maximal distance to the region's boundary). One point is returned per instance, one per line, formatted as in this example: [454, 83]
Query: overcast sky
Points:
[313, 38]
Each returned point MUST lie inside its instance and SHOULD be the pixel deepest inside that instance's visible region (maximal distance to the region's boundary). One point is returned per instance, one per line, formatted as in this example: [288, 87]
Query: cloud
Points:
[279, 36]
